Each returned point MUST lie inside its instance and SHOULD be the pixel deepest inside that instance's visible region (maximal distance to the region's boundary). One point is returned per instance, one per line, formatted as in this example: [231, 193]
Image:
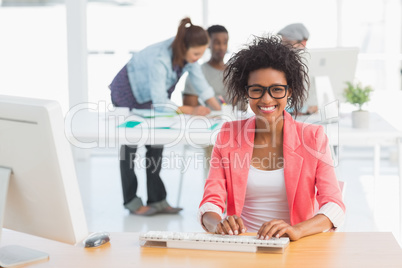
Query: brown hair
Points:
[188, 35]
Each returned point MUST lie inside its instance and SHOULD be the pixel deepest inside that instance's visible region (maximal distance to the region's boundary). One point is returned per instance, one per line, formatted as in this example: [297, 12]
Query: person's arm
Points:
[190, 97]
[213, 202]
[312, 109]
[197, 110]
[204, 91]
[190, 100]
[278, 228]
[214, 104]
[210, 221]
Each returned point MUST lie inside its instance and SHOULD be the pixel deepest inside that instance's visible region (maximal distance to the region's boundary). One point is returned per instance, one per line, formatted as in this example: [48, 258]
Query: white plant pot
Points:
[360, 119]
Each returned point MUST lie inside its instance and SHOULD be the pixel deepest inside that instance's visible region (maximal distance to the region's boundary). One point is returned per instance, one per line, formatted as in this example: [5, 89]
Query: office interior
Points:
[69, 52]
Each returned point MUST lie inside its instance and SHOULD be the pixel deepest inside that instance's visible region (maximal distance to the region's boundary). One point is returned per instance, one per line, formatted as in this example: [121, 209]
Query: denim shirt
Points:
[151, 75]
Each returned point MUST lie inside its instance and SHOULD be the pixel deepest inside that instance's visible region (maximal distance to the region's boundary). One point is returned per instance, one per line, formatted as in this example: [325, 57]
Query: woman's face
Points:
[266, 107]
[195, 53]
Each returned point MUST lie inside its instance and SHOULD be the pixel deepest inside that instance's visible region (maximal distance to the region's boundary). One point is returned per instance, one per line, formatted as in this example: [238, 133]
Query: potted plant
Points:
[358, 95]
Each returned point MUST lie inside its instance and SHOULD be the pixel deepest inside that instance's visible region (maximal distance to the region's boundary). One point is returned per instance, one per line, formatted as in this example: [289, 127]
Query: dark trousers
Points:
[122, 96]
[153, 163]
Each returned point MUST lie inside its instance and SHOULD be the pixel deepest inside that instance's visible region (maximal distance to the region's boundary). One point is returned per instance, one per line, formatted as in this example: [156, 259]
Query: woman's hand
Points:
[232, 225]
[197, 110]
[278, 228]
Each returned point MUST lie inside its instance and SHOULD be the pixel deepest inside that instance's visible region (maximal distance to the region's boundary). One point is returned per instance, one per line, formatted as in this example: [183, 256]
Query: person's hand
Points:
[196, 110]
[232, 225]
[278, 228]
[312, 109]
[201, 110]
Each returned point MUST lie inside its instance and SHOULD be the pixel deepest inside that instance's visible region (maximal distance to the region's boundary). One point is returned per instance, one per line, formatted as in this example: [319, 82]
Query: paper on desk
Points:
[129, 124]
[161, 122]
[197, 125]
[151, 113]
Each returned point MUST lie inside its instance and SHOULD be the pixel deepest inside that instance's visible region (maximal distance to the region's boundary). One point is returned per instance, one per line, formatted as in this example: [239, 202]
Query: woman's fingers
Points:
[232, 225]
[272, 228]
[242, 228]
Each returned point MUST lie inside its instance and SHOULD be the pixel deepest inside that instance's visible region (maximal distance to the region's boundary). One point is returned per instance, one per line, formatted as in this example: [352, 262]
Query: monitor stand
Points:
[12, 255]
[326, 98]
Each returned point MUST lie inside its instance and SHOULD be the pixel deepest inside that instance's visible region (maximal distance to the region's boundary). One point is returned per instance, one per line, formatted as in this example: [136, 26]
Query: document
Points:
[151, 113]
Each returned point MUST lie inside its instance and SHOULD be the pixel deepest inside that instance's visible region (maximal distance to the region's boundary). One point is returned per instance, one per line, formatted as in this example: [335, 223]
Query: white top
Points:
[266, 198]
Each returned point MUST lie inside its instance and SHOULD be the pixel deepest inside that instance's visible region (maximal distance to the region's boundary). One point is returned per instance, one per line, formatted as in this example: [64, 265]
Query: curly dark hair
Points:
[267, 52]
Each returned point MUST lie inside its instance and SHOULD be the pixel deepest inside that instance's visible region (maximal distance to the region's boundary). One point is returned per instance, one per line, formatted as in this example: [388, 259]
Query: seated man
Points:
[213, 69]
[213, 72]
[295, 34]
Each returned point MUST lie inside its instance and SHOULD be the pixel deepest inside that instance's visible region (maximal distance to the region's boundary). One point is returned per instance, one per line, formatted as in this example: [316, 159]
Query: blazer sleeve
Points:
[215, 190]
[326, 182]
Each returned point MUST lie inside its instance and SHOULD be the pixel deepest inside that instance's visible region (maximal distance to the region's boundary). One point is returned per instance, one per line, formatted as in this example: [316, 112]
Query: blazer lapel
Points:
[240, 158]
[292, 161]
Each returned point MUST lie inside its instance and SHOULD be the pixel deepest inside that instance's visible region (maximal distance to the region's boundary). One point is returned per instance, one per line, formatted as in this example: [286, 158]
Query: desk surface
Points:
[322, 250]
[90, 130]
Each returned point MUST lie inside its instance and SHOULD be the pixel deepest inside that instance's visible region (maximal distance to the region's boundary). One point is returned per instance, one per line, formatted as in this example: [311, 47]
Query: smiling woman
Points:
[273, 194]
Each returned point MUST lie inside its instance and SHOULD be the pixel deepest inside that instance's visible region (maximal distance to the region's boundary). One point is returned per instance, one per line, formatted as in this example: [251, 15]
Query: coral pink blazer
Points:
[308, 168]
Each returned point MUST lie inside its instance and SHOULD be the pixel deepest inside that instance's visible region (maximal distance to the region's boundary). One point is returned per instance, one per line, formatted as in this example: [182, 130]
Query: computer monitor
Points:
[42, 197]
[338, 65]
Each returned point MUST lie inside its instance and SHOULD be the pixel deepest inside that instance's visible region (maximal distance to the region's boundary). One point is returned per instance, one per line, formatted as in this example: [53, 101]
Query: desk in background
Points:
[99, 130]
[322, 250]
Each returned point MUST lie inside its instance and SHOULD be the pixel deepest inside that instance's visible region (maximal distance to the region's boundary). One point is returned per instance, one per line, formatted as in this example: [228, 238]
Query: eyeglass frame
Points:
[267, 89]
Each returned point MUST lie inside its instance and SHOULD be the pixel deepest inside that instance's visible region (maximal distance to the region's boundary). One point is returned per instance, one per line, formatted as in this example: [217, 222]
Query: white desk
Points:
[99, 130]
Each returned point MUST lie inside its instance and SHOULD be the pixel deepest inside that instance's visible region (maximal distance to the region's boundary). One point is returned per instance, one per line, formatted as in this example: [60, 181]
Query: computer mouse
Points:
[97, 239]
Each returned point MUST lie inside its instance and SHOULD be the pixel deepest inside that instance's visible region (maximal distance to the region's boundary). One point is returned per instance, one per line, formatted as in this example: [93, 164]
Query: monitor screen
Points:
[336, 64]
[43, 196]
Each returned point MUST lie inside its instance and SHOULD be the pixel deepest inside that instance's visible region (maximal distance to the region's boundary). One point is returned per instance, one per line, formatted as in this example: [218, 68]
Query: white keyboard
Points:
[205, 241]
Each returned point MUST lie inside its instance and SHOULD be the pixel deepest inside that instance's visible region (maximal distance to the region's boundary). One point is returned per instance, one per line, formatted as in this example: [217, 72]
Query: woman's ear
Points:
[290, 92]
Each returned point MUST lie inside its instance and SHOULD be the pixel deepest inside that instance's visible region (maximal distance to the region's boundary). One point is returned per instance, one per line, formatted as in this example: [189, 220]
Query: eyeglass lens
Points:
[277, 91]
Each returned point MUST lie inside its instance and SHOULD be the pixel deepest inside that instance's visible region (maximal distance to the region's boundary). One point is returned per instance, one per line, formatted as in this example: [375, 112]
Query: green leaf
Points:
[356, 94]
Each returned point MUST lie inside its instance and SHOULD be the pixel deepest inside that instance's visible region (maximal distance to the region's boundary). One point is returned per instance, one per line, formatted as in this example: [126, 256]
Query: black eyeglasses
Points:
[275, 91]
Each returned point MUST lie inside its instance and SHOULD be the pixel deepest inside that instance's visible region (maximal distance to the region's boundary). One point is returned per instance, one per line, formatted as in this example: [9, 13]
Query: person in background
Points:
[271, 174]
[213, 69]
[147, 81]
[213, 72]
[297, 35]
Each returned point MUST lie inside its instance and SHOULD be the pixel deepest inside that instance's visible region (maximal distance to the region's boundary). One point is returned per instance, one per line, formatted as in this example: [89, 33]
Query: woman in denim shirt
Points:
[148, 81]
